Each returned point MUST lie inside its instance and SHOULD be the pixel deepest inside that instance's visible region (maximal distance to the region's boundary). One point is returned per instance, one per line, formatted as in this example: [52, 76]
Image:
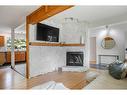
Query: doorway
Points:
[92, 50]
[20, 50]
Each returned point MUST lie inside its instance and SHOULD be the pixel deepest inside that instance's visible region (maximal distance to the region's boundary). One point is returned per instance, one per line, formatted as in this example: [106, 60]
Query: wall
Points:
[72, 32]
[45, 59]
[126, 39]
[117, 35]
[92, 48]
[20, 36]
[69, 32]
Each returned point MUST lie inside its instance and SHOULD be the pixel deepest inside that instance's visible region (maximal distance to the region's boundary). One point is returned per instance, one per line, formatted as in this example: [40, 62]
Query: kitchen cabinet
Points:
[2, 58]
[1, 41]
[20, 56]
[8, 57]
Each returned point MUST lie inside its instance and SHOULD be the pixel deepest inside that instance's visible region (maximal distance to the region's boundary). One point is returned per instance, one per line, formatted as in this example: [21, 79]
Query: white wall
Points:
[69, 32]
[45, 59]
[92, 48]
[72, 32]
[126, 39]
[20, 36]
[117, 35]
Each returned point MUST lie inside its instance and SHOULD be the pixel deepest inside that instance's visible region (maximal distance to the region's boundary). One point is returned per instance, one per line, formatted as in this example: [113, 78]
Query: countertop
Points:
[10, 51]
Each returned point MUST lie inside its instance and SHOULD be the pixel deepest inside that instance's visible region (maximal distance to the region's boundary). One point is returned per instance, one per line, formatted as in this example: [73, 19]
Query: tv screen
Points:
[47, 33]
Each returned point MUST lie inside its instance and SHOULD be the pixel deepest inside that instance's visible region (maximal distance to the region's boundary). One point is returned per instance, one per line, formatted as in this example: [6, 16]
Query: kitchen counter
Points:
[10, 51]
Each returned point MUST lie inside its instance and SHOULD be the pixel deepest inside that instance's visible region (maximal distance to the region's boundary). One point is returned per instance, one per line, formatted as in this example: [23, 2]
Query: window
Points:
[19, 43]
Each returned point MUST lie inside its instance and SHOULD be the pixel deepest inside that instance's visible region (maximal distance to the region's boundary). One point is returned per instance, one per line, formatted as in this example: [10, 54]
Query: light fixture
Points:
[107, 30]
[71, 19]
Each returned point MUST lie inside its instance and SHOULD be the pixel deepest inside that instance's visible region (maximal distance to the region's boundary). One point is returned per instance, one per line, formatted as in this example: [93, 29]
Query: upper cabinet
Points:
[1, 41]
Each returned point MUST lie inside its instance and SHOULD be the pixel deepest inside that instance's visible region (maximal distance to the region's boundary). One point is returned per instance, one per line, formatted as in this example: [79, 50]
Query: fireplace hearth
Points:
[74, 59]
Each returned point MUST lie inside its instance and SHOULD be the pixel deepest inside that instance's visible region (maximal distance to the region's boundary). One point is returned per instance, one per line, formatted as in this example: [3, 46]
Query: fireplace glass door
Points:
[74, 59]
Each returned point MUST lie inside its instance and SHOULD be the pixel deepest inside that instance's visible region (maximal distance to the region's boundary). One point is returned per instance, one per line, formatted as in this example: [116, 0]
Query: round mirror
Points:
[108, 43]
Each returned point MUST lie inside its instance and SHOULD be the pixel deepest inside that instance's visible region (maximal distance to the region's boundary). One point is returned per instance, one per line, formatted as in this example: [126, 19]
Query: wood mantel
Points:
[55, 44]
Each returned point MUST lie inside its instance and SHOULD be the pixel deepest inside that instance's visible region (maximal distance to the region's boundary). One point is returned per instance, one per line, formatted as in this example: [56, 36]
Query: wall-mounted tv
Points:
[47, 33]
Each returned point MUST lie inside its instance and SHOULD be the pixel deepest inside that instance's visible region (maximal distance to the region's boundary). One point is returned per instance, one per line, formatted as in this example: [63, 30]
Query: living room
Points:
[61, 57]
[74, 30]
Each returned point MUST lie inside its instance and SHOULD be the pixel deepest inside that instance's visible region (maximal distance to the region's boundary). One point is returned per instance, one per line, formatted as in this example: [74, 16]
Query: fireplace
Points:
[74, 58]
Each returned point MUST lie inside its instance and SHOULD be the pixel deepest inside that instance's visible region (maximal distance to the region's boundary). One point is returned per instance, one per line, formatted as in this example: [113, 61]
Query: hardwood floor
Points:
[9, 79]
[72, 80]
[92, 62]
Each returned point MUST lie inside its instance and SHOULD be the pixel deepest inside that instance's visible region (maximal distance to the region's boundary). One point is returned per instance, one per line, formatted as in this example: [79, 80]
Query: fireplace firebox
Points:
[74, 58]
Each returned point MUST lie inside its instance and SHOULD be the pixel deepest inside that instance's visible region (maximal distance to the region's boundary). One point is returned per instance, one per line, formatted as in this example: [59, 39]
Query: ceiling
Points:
[13, 16]
[94, 14]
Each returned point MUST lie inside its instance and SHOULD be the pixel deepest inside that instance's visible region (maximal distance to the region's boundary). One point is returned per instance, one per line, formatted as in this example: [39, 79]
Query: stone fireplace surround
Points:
[75, 68]
[55, 57]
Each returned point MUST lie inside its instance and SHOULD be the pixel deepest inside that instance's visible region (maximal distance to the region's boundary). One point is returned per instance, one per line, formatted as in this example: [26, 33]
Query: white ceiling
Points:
[122, 27]
[94, 14]
[13, 16]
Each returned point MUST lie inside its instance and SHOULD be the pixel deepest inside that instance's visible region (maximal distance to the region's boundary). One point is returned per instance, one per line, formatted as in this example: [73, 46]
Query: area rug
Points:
[105, 81]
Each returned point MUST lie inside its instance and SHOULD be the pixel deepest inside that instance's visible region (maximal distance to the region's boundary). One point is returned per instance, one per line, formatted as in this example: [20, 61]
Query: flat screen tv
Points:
[47, 33]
